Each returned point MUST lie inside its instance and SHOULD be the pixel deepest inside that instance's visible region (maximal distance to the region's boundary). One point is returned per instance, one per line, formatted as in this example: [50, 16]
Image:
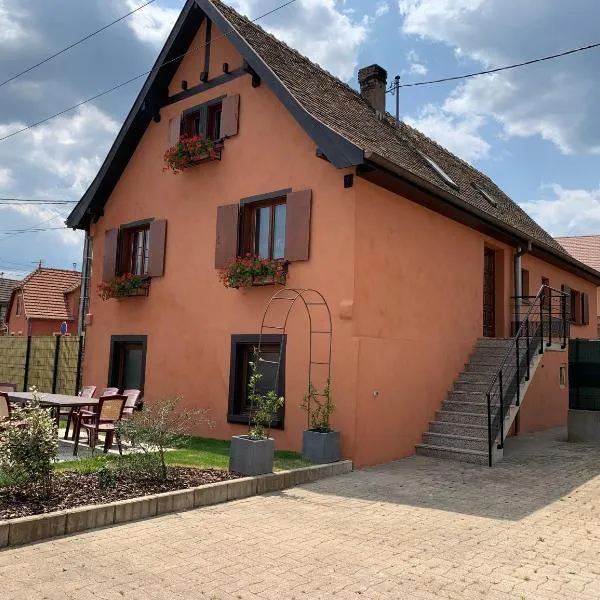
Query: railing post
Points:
[489, 415]
[56, 357]
[79, 359]
[518, 373]
[27, 357]
[501, 445]
[528, 352]
[541, 328]
[549, 317]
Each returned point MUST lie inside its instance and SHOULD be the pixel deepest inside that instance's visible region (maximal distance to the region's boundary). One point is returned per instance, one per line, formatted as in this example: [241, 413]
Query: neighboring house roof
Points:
[343, 125]
[45, 293]
[6, 288]
[585, 248]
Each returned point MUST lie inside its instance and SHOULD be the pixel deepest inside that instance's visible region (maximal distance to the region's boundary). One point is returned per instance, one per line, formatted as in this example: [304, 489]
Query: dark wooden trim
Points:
[265, 197]
[127, 339]
[237, 341]
[208, 42]
[203, 87]
[137, 224]
[197, 107]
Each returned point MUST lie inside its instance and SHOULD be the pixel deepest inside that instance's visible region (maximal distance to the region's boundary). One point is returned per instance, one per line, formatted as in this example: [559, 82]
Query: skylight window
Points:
[493, 202]
[440, 171]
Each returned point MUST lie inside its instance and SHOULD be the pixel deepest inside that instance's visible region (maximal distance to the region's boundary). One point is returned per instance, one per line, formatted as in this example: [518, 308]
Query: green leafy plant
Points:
[188, 151]
[29, 446]
[319, 411]
[249, 270]
[122, 286]
[155, 429]
[263, 406]
[107, 476]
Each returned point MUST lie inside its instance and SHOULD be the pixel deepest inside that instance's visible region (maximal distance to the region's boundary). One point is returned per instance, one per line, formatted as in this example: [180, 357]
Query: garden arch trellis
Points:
[313, 301]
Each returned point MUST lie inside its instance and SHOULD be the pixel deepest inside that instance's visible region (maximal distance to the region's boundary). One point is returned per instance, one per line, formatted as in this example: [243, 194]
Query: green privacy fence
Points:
[584, 374]
[51, 363]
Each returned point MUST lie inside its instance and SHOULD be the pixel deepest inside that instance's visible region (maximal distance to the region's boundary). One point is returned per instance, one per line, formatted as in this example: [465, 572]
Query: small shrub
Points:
[154, 430]
[319, 411]
[27, 453]
[263, 407]
[107, 476]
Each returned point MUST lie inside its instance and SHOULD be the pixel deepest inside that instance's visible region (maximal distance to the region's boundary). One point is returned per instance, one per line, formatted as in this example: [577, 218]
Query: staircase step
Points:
[450, 440]
[476, 376]
[467, 396]
[470, 456]
[472, 386]
[493, 342]
[466, 418]
[485, 370]
[459, 428]
[468, 407]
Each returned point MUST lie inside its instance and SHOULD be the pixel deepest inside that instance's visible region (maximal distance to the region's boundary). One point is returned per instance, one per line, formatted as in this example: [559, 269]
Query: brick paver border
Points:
[15, 532]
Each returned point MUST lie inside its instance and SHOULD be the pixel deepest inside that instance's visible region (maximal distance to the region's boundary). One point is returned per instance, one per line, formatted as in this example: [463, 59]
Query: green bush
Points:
[263, 407]
[319, 411]
[153, 430]
[27, 452]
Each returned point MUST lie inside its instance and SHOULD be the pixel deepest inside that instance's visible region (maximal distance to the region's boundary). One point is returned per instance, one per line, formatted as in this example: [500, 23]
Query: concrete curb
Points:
[25, 530]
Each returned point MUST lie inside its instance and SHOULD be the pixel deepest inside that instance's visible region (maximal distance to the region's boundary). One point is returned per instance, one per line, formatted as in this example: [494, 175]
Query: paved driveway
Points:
[420, 528]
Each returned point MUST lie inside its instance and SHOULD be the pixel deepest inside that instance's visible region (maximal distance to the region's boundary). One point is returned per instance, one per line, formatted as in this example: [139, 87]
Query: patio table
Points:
[56, 401]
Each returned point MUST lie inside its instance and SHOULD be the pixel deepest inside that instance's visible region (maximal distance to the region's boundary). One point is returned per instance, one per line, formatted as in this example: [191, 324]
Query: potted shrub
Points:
[124, 286]
[190, 151]
[252, 454]
[320, 443]
[248, 271]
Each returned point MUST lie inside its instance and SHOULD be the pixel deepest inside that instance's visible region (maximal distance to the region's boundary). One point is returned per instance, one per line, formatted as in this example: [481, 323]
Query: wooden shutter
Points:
[156, 254]
[567, 302]
[174, 130]
[227, 235]
[297, 225]
[111, 247]
[585, 309]
[230, 115]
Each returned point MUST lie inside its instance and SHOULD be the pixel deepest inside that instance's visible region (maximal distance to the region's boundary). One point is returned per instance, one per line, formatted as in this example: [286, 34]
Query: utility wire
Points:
[27, 201]
[124, 83]
[84, 39]
[489, 71]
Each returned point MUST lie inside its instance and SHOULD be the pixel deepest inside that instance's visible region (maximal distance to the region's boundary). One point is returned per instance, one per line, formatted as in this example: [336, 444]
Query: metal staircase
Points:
[476, 417]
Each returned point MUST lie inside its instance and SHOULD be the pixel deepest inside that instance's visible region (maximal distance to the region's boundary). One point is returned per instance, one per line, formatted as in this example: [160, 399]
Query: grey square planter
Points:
[251, 457]
[321, 447]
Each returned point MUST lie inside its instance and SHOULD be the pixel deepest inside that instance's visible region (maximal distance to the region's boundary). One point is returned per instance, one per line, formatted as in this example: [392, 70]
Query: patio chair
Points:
[8, 387]
[6, 412]
[111, 391]
[87, 391]
[132, 398]
[109, 413]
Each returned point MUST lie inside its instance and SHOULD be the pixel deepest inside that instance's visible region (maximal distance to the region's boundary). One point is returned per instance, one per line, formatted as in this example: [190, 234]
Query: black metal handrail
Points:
[549, 305]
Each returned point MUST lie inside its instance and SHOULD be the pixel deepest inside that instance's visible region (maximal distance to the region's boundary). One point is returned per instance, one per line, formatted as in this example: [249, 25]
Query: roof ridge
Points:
[577, 237]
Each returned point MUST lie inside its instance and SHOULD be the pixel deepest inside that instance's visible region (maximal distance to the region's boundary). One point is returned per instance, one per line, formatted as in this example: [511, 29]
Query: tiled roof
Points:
[585, 248]
[44, 293]
[6, 288]
[344, 110]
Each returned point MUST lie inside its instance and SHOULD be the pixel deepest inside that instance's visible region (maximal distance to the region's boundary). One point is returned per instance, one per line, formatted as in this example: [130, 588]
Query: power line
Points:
[67, 48]
[32, 230]
[490, 71]
[124, 83]
[26, 201]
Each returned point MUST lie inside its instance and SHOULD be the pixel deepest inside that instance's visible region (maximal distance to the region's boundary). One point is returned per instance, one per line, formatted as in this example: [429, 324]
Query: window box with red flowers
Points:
[249, 271]
[124, 286]
[190, 151]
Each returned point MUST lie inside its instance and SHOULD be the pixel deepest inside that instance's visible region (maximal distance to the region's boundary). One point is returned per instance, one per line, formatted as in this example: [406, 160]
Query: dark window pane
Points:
[279, 231]
[263, 226]
[132, 368]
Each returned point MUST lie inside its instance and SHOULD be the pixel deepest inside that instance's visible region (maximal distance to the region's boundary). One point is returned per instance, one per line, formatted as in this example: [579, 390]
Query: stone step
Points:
[466, 418]
[470, 456]
[493, 342]
[459, 428]
[483, 369]
[467, 396]
[476, 376]
[450, 440]
[462, 407]
[472, 386]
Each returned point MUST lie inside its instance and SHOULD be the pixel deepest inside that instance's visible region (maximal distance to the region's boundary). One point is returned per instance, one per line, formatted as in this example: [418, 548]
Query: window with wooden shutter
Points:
[156, 256]
[111, 247]
[226, 247]
[297, 226]
[585, 309]
[230, 116]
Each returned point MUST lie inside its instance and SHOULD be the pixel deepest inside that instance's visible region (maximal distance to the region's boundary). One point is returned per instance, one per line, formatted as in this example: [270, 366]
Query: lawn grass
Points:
[202, 453]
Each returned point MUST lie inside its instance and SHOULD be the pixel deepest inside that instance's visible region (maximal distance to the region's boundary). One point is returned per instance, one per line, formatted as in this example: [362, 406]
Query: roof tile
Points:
[585, 248]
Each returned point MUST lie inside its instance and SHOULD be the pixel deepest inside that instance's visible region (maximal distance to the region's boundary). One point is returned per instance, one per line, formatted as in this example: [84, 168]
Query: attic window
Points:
[440, 171]
[485, 195]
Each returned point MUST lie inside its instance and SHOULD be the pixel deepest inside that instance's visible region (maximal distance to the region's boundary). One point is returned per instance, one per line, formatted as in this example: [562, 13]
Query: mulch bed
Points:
[70, 490]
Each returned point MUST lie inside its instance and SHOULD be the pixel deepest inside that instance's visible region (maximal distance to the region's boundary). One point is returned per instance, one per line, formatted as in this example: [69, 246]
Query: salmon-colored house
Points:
[417, 254]
[44, 302]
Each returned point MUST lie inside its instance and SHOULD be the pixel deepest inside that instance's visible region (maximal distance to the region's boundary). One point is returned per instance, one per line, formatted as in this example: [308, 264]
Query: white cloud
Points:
[316, 28]
[460, 136]
[6, 178]
[152, 23]
[12, 29]
[568, 211]
[416, 65]
[556, 100]
[382, 8]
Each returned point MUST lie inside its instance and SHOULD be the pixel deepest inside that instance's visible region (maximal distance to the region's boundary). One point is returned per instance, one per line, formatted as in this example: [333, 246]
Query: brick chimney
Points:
[373, 83]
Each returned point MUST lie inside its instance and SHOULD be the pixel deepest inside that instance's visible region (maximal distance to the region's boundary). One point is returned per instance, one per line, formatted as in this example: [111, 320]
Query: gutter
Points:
[521, 239]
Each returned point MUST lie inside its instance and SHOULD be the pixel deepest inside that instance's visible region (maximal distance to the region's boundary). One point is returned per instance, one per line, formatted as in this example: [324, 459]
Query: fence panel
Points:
[12, 360]
[67, 365]
[41, 363]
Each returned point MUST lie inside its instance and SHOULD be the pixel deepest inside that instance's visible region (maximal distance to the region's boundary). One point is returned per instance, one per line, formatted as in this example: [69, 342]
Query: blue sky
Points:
[535, 131]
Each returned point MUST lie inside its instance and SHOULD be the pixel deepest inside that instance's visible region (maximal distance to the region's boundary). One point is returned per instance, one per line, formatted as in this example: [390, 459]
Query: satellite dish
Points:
[63, 328]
